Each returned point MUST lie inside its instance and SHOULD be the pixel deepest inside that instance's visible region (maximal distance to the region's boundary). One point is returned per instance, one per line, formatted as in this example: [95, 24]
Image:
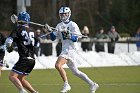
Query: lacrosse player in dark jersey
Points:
[25, 41]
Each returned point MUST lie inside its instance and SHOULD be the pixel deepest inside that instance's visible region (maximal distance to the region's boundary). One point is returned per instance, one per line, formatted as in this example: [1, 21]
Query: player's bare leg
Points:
[0, 70]
[26, 84]
[13, 77]
[20, 82]
[60, 62]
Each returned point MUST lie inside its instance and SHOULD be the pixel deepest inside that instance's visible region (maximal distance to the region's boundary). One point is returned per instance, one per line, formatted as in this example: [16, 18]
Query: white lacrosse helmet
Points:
[62, 11]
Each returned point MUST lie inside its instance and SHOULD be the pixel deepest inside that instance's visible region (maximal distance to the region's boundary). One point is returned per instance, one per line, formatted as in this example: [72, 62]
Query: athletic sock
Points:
[66, 82]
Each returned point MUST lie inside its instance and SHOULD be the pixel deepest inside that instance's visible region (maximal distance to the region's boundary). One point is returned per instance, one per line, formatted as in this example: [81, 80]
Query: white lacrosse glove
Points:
[8, 43]
[48, 28]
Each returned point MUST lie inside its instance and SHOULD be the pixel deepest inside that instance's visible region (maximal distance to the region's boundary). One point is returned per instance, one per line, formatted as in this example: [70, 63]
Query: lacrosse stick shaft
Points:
[42, 25]
[80, 35]
[44, 35]
[36, 24]
[75, 34]
[14, 19]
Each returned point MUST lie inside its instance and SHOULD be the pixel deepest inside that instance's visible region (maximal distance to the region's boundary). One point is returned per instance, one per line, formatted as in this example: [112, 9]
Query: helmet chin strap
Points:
[66, 22]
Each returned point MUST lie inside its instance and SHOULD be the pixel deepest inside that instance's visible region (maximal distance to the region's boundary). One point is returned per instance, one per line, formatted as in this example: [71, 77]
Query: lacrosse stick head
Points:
[14, 18]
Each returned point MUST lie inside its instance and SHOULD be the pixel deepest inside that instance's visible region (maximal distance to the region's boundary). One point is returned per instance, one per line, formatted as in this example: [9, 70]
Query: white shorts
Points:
[72, 56]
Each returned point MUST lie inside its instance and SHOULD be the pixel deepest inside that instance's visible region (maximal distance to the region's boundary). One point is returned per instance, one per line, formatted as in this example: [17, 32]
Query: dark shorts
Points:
[24, 66]
[1, 59]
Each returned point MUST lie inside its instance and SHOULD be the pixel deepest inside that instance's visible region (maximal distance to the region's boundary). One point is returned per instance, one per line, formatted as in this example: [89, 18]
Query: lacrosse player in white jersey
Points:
[68, 31]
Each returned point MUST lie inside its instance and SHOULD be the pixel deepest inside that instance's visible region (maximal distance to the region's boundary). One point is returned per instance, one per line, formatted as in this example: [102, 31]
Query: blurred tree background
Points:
[123, 14]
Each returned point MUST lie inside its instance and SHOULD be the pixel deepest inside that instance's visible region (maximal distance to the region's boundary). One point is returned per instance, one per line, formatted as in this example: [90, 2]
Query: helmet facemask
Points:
[64, 17]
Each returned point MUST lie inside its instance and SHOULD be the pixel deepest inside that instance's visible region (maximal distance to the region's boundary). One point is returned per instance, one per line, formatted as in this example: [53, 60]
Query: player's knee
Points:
[57, 66]
[11, 77]
[21, 79]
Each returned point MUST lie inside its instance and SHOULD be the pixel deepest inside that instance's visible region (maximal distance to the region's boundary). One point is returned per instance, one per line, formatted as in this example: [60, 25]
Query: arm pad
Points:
[74, 38]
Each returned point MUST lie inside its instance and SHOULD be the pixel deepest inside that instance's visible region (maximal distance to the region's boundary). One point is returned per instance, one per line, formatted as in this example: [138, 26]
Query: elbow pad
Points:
[52, 36]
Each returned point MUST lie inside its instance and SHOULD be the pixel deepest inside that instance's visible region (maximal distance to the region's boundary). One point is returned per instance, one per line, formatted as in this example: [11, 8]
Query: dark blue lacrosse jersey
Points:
[26, 42]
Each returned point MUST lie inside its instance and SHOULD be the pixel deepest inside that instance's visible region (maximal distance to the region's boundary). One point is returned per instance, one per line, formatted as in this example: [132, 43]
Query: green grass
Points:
[110, 79]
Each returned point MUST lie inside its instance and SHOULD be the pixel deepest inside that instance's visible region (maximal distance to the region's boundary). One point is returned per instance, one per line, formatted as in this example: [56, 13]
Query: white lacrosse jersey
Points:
[67, 44]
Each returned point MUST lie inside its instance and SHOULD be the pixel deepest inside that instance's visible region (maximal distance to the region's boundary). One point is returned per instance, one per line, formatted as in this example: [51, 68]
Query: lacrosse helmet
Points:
[23, 17]
[67, 12]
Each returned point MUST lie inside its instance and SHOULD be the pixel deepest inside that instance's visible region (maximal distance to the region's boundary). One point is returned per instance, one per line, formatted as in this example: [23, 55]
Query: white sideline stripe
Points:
[102, 84]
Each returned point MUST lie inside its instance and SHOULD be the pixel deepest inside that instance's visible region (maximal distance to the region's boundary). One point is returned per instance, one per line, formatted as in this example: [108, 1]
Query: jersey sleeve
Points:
[13, 34]
[55, 34]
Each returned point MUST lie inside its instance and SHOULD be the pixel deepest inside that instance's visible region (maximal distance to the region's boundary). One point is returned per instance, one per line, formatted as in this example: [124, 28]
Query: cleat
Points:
[23, 91]
[93, 88]
[66, 88]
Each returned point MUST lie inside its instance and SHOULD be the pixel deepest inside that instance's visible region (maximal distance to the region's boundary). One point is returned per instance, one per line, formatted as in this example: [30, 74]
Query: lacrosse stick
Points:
[14, 20]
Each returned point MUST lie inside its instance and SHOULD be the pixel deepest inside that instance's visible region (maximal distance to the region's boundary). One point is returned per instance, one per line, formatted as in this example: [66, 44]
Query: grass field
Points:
[110, 79]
